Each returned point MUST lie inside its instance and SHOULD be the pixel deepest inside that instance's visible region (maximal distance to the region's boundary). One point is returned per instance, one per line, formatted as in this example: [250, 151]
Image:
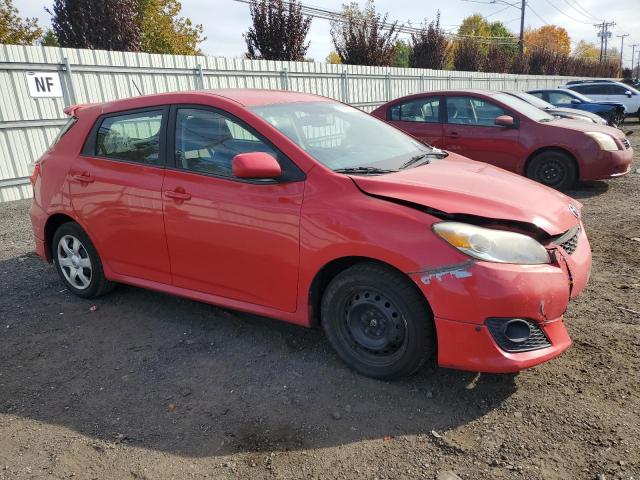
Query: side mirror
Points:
[505, 121]
[629, 93]
[257, 165]
[575, 101]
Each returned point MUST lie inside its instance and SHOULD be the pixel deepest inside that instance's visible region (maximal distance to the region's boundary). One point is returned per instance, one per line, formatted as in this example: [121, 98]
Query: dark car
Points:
[570, 113]
[502, 130]
[612, 112]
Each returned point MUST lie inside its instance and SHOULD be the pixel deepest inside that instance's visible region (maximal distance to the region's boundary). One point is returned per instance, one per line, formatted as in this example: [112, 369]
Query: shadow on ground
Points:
[588, 189]
[183, 377]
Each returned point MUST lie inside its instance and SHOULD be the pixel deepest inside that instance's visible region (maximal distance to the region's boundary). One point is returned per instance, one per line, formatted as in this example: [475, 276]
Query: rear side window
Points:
[131, 137]
[472, 111]
[425, 110]
[67, 126]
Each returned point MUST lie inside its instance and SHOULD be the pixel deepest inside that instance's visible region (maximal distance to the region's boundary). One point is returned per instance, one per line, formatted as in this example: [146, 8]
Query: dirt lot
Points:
[148, 386]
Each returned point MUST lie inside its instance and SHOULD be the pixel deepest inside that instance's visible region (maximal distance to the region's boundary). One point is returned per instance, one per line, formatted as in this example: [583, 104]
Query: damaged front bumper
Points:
[463, 297]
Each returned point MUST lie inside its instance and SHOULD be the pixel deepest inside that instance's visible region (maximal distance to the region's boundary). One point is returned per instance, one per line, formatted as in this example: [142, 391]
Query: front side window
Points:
[133, 137]
[424, 110]
[472, 111]
[207, 141]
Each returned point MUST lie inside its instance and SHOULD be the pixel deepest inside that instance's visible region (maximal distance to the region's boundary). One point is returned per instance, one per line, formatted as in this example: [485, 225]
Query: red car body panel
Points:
[259, 248]
[511, 148]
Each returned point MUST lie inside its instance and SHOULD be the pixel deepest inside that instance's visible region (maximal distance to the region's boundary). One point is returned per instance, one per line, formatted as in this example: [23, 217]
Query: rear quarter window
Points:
[63, 131]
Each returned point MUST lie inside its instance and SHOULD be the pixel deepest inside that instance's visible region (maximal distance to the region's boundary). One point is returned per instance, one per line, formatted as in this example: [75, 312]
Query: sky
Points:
[224, 21]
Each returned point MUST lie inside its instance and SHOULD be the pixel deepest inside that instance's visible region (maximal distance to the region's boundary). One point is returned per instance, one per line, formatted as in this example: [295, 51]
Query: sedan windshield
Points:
[526, 109]
[577, 95]
[532, 99]
[346, 139]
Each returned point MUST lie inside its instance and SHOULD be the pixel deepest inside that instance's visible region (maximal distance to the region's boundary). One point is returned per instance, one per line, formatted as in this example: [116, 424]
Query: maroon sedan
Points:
[502, 130]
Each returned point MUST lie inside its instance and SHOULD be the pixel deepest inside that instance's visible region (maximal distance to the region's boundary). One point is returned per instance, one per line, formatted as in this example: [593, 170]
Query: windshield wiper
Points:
[361, 170]
[435, 153]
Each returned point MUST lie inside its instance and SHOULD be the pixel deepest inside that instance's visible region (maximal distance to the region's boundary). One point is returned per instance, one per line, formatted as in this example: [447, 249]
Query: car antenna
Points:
[134, 84]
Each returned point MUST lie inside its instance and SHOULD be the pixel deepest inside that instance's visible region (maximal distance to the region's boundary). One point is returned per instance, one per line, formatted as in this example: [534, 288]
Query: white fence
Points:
[28, 125]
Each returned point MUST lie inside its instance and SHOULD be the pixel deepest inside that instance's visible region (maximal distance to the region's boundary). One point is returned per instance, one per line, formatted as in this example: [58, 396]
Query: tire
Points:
[78, 263]
[378, 321]
[554, 169]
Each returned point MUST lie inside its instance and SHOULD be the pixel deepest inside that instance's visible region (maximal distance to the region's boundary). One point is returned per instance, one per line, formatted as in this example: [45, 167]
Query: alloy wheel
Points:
[74, 262]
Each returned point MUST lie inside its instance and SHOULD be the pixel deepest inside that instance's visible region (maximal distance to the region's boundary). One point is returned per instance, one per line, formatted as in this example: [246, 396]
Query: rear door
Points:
[230, 237]
[471, 131]
[420, 118]
[115, 186]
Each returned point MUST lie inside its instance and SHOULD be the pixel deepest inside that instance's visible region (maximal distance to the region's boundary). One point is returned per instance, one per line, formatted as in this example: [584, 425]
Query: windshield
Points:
[577, 95]
[526, 109]
[532, 99]
[345, 138]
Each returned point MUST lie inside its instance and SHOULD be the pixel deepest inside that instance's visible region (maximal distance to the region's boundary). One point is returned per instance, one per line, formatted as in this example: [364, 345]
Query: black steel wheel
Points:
[554, 169]
[378, 321]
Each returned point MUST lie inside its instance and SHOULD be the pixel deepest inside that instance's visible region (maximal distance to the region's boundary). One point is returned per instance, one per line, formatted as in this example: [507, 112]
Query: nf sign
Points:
[44, 84]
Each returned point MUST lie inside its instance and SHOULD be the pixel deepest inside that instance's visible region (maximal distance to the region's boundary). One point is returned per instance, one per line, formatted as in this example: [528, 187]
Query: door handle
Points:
[82, 177]
[453, 135]
[178, 195]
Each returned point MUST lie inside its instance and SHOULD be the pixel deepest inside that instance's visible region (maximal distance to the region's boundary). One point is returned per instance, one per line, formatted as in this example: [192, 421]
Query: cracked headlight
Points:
[492, 245]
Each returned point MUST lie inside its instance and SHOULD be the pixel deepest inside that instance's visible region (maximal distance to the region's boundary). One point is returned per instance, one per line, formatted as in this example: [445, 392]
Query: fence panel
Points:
[28, 125]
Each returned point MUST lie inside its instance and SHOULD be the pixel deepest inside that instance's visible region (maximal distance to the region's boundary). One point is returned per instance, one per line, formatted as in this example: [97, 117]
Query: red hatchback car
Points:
[301, 208]
[505, 131]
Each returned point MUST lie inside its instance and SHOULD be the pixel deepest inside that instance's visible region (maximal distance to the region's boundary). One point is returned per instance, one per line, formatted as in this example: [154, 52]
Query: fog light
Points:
[517, 331]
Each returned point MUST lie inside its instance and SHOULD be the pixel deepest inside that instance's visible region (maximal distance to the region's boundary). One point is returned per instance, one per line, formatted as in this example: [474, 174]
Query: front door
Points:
[230, 237]
[115, 187]
[471, 131]
[420, 118]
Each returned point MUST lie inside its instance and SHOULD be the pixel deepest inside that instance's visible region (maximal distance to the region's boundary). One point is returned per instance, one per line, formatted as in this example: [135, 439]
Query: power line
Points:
[565, 14]
[579, 8]
[536, 14]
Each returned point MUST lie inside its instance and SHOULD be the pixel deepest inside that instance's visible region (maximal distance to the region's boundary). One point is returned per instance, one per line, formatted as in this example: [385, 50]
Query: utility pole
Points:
[633, 56]
[621, 37]
[604, 35]
[521, 43]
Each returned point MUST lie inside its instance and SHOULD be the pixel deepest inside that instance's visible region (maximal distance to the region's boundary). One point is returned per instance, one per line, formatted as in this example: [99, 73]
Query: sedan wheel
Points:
[554, 169]
[74, 262]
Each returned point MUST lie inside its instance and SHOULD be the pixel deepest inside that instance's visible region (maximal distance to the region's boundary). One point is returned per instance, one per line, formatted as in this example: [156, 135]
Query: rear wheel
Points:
[377, 321]
[78, 263]
[554, 169]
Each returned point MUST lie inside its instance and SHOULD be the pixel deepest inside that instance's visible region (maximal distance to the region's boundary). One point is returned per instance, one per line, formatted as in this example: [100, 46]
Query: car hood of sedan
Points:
[457, 185]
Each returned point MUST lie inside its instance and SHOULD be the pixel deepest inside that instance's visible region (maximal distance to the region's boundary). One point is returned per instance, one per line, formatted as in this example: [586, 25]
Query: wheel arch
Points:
[328, 272]
[551, 148]
[52, 224]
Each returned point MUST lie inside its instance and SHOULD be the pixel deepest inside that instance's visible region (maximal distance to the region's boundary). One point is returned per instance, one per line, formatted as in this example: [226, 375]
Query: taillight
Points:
[35, 173]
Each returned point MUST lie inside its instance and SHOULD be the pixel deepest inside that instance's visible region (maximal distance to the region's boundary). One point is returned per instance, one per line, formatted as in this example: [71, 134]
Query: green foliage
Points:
[361, 39]
[49, 39]
[96, 24]
[15, 30]
[469, 56]
[401, 54]
[278, 31]
[164, 31]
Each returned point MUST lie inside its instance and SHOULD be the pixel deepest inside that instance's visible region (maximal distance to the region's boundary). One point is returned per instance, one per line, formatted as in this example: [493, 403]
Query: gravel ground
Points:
[149, 386]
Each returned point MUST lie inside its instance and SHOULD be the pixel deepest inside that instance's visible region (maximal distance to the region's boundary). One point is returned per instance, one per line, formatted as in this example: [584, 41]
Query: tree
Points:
[549, 37]
[96, 24]
[164, 31]
[278, 33]
[468, 55]
[429, 46]
[14, 29]
[474, 26]
[363, 37]
[586, 51]
[49, 39]
[401, 54]
[333, 58]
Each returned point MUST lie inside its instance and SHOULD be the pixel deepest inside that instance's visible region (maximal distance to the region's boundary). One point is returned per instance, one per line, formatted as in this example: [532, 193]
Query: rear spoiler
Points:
[72, 110]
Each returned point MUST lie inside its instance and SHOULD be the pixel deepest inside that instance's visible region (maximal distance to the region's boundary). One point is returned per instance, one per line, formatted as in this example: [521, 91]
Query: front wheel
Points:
[78, 263]
[378, 321]
[553, 169]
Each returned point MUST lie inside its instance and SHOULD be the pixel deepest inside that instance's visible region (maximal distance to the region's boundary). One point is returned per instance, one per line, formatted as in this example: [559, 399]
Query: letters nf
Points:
[44, 84]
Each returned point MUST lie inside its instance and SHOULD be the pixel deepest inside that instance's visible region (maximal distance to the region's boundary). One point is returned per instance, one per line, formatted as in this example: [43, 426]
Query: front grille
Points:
[536, 341]
[626, 143]
[569, 240]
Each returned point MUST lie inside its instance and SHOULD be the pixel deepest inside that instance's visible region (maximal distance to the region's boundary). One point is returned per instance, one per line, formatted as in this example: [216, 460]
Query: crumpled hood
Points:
[459, 185]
